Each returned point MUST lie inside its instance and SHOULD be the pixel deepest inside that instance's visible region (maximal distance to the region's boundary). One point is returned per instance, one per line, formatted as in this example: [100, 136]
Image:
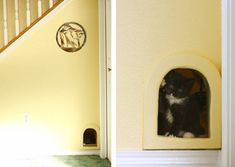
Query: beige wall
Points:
[147, 30]
[58, 90]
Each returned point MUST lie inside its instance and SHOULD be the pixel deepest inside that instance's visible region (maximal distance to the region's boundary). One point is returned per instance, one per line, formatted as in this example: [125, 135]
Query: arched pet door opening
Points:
[183, 104]
[90, 137]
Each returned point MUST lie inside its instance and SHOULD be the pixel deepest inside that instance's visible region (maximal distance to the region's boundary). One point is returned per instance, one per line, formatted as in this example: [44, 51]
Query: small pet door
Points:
[183, 105]
[90, 138]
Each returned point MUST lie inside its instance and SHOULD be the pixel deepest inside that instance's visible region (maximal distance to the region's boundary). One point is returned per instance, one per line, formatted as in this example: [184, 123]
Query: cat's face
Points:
[177, 85]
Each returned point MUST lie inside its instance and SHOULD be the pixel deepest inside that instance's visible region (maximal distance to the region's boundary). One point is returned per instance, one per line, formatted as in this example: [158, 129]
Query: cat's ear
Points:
[170, 74]
[190, 82]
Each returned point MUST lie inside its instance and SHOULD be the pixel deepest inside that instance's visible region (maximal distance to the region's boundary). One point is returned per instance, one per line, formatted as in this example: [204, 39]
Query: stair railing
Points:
[18, 16]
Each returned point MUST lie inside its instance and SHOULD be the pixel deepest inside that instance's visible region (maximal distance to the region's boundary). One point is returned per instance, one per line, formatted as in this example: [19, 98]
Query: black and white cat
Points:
[179, 111]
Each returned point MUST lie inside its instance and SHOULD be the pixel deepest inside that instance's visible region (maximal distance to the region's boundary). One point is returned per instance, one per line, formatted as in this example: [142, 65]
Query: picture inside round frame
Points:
[71, 37]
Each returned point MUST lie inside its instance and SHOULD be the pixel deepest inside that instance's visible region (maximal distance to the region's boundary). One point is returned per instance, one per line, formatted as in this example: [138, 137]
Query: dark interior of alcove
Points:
[183, 104]
[90, 137]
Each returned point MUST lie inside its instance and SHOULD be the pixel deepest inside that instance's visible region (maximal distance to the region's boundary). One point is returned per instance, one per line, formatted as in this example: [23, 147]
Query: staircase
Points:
[18, 16]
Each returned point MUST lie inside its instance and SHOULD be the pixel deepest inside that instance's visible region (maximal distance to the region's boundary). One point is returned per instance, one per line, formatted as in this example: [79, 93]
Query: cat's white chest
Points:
[169, 117]
[174, 100]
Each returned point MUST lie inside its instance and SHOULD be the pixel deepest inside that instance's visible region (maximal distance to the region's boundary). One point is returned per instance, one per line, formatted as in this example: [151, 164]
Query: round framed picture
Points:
[71, 37]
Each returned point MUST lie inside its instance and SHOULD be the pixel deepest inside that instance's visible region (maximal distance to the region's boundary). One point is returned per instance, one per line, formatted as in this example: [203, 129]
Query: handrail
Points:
[7, 44]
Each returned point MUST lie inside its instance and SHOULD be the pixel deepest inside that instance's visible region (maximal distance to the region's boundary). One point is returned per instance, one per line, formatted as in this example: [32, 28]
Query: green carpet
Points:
[57, 161]
[83, 161]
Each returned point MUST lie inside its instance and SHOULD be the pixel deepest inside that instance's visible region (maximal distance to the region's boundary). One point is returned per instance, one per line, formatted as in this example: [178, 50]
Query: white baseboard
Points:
[81, 152]
[202, 158]
[22, 155]
[25, 160]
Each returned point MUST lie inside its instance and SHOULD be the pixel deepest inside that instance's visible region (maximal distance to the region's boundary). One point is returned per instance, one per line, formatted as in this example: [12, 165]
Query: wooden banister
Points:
[7, 44]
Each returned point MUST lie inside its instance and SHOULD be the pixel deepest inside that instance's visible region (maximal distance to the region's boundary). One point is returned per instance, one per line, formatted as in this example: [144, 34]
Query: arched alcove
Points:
[90, 137]
[183, 104]
[206, 78]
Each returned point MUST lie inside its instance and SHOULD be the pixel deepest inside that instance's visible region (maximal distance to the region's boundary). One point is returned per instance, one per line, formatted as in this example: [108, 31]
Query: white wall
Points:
[58, 90]
[108, 38]
[232, 45]
[148, 30]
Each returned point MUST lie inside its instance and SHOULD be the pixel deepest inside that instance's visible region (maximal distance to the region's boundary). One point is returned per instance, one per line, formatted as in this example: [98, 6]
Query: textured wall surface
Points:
[147, 30]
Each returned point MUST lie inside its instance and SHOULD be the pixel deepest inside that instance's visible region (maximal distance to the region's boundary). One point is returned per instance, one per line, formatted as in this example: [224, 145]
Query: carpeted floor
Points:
[59, 161]
[83, 161]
